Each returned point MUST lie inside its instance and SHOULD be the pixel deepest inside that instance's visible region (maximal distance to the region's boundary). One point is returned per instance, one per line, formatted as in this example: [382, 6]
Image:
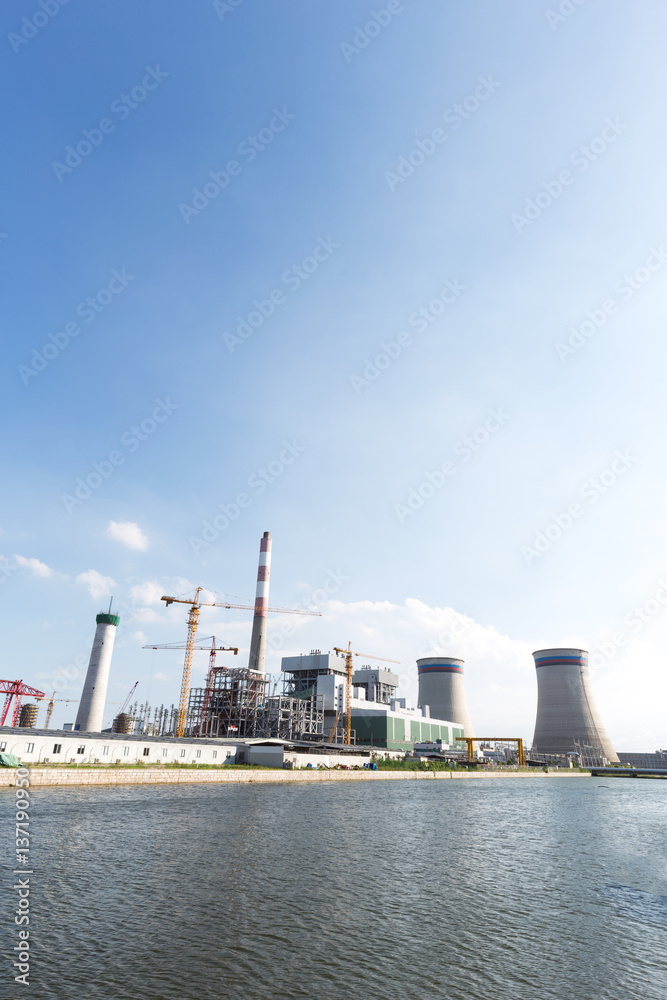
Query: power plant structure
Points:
[89, 718]
[441, 688]
[568, 719]
[256, 660]
[28, 716]
[323, 700]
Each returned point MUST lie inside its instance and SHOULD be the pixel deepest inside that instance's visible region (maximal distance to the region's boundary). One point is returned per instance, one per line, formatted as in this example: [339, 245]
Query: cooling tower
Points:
[566, 709]
[258, 639]
[91, 706]
[441, 688]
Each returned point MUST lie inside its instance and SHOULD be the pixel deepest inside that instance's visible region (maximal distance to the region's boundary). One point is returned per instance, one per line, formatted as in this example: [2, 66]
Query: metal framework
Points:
[469, 740]
[193, 623]
[290, 718]
[17, 690]
[231, 704]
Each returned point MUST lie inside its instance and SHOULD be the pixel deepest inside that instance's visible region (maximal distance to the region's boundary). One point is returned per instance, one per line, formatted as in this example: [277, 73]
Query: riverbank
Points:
[177, 776]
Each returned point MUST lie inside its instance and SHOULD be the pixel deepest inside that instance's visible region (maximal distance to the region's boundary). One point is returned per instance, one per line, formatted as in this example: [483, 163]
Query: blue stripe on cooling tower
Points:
[546, 661]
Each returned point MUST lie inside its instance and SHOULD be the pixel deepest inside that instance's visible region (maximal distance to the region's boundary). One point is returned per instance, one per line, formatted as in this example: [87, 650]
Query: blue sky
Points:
[512, 151]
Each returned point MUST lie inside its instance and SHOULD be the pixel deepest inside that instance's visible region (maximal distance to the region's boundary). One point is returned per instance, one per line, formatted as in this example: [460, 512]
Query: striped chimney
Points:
[258, 640]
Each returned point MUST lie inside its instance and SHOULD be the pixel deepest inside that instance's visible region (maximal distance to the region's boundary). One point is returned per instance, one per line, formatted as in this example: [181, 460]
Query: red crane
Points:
[18, 690]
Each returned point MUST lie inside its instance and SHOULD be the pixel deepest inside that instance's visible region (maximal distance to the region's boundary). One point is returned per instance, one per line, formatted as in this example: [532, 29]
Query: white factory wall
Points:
[33, 746]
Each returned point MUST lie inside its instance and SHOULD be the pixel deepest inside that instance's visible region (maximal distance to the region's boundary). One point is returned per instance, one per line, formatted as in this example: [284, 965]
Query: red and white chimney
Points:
[258, 640]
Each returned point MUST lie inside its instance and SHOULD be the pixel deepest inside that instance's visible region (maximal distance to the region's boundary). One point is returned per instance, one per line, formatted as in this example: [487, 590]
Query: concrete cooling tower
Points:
[91, 706]
[566, 709]
[441, 688]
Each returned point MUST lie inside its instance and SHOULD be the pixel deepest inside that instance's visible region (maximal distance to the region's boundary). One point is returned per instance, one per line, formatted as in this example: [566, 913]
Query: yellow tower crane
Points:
[49, 707]
[193, 622]
[348, 654]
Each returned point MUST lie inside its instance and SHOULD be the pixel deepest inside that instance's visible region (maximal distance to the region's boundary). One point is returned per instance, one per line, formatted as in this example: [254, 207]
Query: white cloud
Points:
[128, 534]
[98, 585]
[35, 566]
[147, 593]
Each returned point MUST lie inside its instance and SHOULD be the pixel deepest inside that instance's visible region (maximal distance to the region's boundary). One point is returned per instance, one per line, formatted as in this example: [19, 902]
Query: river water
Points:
[407, 890]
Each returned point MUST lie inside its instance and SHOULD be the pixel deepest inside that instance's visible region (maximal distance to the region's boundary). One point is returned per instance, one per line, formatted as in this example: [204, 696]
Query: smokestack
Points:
[91, 706]
[566, 708]
[441, 688]
[258, 640]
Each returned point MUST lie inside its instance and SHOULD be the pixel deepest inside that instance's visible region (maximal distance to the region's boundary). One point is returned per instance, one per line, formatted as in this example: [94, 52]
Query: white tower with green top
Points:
[89, 718]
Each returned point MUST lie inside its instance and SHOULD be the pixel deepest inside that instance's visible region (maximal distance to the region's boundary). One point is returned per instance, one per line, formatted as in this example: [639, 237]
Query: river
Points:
[460, 890]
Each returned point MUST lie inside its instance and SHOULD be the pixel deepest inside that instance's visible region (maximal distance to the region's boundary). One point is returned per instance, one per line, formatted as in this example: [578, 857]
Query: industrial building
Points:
[45, 746]
[379, 718]
[657, 760]
[567, 716]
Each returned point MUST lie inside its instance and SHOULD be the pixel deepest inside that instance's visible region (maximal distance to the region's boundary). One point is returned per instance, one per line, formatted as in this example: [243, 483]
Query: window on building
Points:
[3, 746]
[30, 748]
[105, 750]
[199, 753]
[147, 750]
[182, 753]
[126, 751]
[165, 752]
[57, 747]
[215, 754]
[81, 750]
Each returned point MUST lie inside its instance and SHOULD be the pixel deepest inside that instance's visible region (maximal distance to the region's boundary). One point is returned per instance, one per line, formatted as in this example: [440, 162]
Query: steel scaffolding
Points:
[289, 718]
[231, 704]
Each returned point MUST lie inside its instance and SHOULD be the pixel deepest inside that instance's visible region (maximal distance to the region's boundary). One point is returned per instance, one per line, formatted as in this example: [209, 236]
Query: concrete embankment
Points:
[154, 775]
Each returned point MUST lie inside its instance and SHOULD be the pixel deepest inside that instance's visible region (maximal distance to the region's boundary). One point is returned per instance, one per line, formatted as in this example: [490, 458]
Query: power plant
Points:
[324, 702]
[89, 718]
[441, 687]
[567, 715]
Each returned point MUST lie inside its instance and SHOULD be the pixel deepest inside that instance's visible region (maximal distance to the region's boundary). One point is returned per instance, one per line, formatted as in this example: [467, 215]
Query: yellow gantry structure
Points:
[493, 739]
